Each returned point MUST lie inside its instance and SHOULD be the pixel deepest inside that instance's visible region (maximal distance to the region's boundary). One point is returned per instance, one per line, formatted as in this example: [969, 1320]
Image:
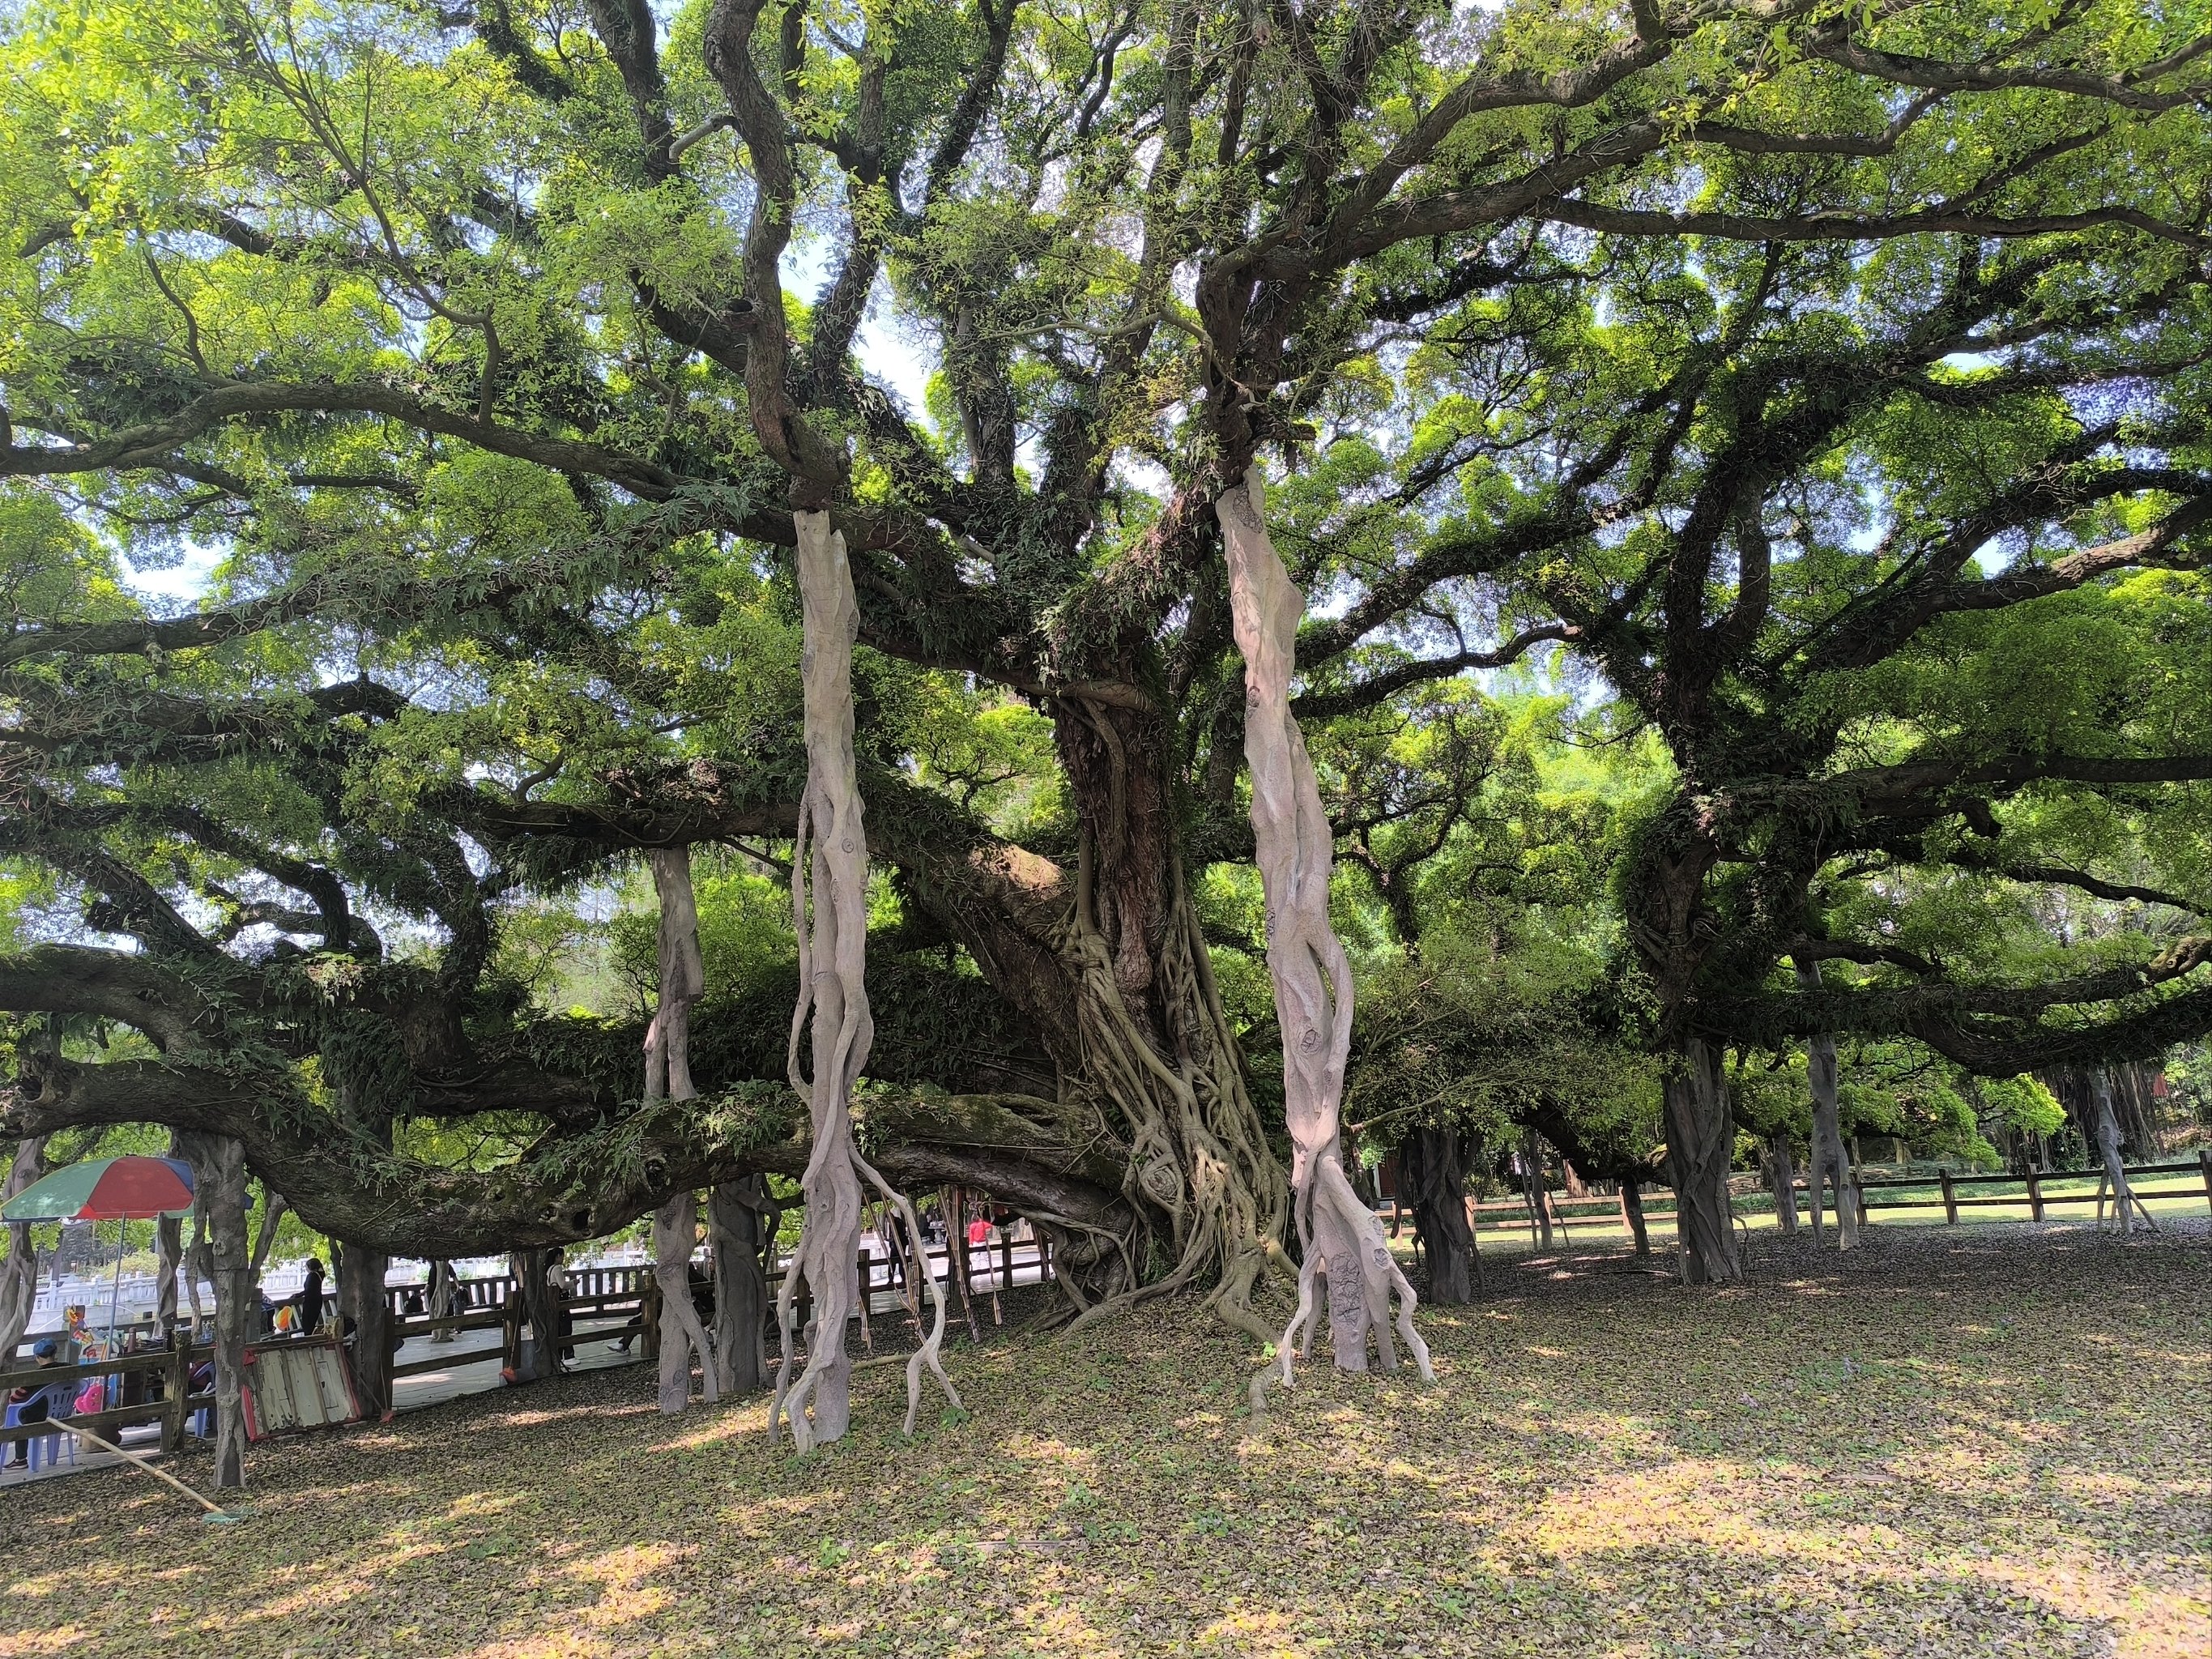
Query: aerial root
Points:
[932, 1352]
[1343, 1216]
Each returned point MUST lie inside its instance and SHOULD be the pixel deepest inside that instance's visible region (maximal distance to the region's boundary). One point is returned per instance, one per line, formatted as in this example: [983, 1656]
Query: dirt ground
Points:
[1960, 1441]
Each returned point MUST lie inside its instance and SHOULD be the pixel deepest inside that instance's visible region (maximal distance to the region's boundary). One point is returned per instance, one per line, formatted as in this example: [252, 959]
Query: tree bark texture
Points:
[1700, 1145]
[1831, 1162]
[2128, 1211]
[169, 1260]
[219, 1182]
[1532, 1188]
[361, 1299]
[19, 1274]
[683, 1338]
[1783, 1168]
[668, 1076]
[740, 1229]
[272, 1211]
[830, 908]
[442, 1299]
[1631, 1212]
[534, 1293]
[1347, 1256]
[1433, 1162]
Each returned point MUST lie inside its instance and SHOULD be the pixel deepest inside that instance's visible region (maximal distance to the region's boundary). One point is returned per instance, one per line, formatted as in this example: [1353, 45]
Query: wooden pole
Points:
[2035, 1194]
[998, 1306]
[176, 1419]
[1950, 1198]
[87, 1434]
[867, 1287]
[648, 1319]
[2205, 1163]
[956, 1253]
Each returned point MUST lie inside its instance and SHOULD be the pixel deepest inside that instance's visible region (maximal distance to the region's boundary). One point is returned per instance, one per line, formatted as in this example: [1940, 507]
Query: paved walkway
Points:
[474, 1367]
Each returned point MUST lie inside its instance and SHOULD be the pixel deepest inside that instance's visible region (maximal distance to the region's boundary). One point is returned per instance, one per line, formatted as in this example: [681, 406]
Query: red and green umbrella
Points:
[134, 1188]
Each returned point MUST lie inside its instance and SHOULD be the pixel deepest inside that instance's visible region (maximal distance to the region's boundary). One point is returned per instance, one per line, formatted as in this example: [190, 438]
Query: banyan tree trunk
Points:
[2128, 1211]
[668, 1076]
[1700, 1145]
[199, 1254]
[739, 1218]
[1532, 1188]
[19, 1274]
[1783, 1171]
[272, 1211]
[1120, 987]
[219, 1181]
[1160, 1062]
[1347, 1260]
[683, 1338]
[533, 1291]
[1831, 1162]
[361, 1298]
[168, 1261]
[1632, 1212]
[1433, 1162]
[442, 1298]
[830, 908]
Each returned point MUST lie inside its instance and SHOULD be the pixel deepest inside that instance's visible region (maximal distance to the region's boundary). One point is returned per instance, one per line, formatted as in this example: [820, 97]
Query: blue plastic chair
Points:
[40, 1442]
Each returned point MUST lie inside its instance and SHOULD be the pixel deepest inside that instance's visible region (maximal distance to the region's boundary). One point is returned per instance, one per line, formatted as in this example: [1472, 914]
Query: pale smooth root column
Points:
[829, 911]
[1344, 1242]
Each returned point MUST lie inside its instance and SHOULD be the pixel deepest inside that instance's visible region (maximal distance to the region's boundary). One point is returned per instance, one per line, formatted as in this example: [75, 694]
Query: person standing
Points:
[979, 1243]
[311, 1297]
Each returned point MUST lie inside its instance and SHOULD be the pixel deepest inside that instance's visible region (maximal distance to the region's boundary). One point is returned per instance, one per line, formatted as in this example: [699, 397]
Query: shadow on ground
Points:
[1954, 1443]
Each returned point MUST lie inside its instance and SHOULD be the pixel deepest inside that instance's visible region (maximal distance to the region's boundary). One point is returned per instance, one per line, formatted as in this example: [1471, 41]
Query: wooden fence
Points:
[1942, 1191]
[612, 1301]
[159, 1378]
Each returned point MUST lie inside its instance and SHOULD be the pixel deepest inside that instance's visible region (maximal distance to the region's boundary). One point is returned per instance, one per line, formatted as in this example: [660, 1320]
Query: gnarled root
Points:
[1200, 1168]
[1347, 1262]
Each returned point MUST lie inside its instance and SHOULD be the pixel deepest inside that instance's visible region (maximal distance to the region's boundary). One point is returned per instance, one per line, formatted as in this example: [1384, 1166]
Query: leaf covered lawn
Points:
[1959, 1442]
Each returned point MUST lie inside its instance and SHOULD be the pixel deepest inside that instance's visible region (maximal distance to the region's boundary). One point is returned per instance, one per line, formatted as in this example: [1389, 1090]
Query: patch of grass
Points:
[1957, 1442]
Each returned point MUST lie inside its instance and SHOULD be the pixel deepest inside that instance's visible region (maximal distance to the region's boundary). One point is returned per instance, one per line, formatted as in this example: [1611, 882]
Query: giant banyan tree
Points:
[506, 371]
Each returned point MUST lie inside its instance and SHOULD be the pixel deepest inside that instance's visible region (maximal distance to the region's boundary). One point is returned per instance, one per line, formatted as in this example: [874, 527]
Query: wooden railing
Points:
[1941, 1191]
[173, 1407]
[608, 1302]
